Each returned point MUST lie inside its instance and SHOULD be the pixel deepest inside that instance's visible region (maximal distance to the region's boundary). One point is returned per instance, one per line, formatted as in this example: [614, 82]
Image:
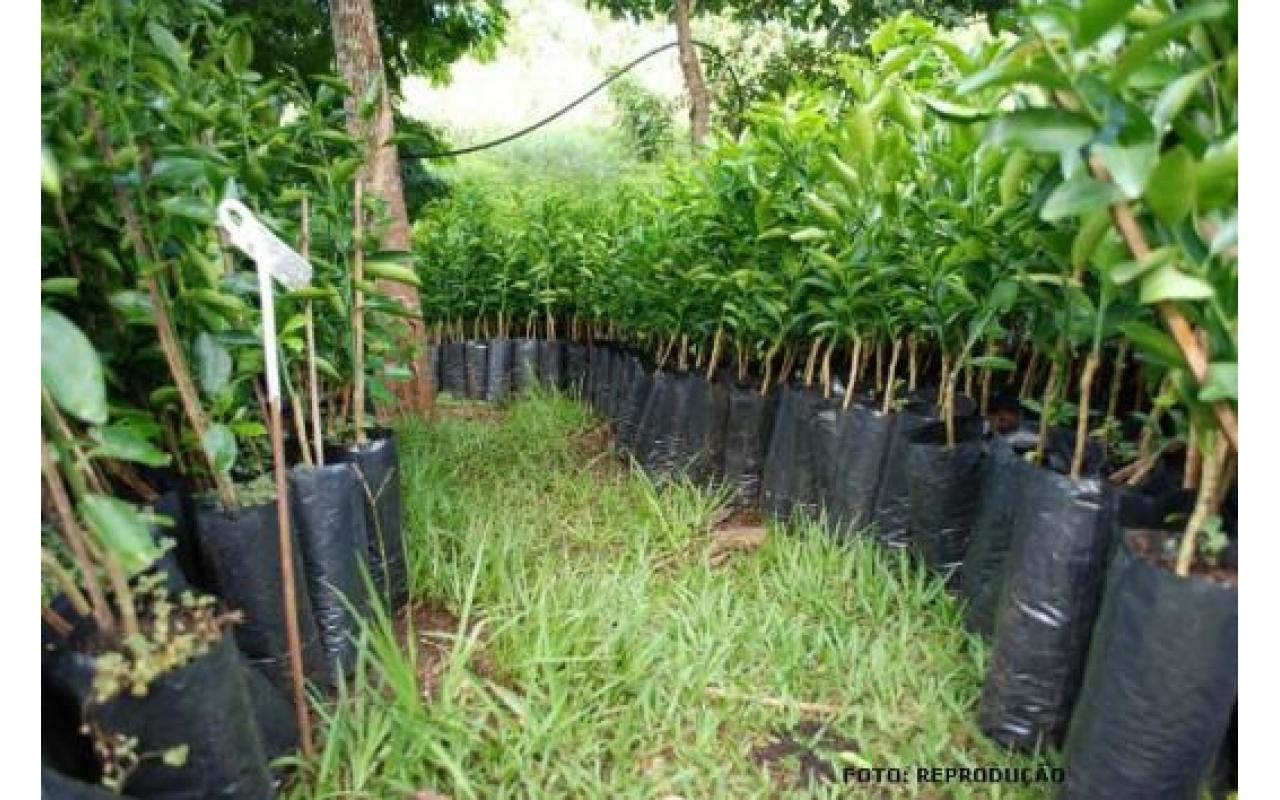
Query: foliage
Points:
[644, 117]
[293, 37]
[934, 206]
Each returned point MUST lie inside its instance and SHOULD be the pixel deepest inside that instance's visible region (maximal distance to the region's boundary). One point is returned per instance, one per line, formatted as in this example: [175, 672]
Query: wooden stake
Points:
[357, 317]
[292, 635]
[313, 382]
[1082, 419]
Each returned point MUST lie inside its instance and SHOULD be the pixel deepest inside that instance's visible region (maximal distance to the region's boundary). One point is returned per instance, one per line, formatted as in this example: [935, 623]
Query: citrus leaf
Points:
[121, 530]
[70, 369]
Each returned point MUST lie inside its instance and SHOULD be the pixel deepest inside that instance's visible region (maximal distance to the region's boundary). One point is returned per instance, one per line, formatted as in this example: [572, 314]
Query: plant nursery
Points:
[855, 416]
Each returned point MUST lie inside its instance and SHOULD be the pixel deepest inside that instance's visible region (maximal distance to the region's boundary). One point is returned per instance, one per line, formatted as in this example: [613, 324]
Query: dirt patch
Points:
[805, 754]
[435, 631]
[471, 412]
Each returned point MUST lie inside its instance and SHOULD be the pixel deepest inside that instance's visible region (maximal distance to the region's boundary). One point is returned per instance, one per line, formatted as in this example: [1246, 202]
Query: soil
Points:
[436, 630]
[1160, 549]
[812, 746]
[471, 412]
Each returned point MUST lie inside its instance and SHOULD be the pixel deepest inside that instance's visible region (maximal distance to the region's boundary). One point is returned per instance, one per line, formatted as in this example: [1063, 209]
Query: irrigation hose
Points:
[582, 98]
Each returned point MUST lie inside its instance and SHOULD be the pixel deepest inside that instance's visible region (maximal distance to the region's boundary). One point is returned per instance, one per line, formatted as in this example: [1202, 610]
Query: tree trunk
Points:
[359, 55]
[699, 99]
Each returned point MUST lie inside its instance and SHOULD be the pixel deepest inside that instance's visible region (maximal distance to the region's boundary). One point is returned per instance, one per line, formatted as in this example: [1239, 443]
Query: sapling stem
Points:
[299, 422]
[893, 366]
[850, 390]
[715, 353]
[357, 316]
[1082, 416]
[1117, 381]
[1193, 350]
[1191, 467]
[788, 364]
[912, 362]
[169, 346]
[768, 367]
[76, 539]
[66, 584]
[309, 328]
[55, 621]
[1029, 376]
[826, 367]
[811, 361]
[879, 350]
[1046, 411]
[123, 597]
[1206, 502]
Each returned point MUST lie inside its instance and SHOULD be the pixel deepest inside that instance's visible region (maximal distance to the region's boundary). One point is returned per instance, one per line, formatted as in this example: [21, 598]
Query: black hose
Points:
[551, 118]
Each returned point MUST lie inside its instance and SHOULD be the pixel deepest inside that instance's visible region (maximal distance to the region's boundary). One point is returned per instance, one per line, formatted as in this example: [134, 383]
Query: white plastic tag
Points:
[274, 259]
[255, 240]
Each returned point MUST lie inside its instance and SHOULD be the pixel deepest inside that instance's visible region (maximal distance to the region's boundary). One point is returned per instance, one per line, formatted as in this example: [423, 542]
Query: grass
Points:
[573, 639]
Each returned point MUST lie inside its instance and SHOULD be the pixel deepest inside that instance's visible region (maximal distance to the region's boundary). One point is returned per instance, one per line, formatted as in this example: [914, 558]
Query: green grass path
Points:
[574, 639]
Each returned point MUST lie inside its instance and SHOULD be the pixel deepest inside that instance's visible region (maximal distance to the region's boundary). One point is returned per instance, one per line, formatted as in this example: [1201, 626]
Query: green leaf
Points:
[1171, 190]
[391, 271]
[1130, 166]
[1220, 382]
[1096, 17]
[1175, 96]
[220, 445]
[134, 306]
[1218, 174]
[70, 369]
[1127, 271]
[239, 52]
[955, 112]
[1042, 130]
[124, 444]
[65, 286]
[213, 364]
[1142, 48]
[993, 362]
[50, 175]
[1170, 283]
[1154, 343]
[192, 208]
[1087, 239]
[121, 530]
[168, 45]
[1079, 196]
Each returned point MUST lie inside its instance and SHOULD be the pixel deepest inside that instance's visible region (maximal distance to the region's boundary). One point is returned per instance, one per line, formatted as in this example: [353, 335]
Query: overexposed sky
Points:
[555, 51]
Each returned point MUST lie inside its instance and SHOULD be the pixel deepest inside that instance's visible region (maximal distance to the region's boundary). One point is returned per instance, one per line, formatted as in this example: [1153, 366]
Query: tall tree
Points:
[845, 24]
[678, 11]
[359, 55]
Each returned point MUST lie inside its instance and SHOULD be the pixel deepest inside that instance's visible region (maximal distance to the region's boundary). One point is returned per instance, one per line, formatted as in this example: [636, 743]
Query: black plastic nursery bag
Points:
[497, 383]
[56, 786]
[205, 706]
[748, 425]
[1052, 587]
[982, 574]
[1161, 683]
[944, 486]
[860, 455]
[705, 419]
[524, 364]
[329, 520]
[638, 387]
[779, 478]
[551, 362]
[575, 368]
[453, 368]
[240, 551]
[660, 444]
[477, 369]
[377, 469]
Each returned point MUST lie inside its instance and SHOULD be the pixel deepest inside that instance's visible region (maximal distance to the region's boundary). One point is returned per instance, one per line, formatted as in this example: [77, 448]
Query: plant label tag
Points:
[255, 240]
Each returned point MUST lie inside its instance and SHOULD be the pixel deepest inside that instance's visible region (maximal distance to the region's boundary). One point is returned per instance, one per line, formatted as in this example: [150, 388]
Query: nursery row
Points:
[1095, 645]
[1058, 206]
